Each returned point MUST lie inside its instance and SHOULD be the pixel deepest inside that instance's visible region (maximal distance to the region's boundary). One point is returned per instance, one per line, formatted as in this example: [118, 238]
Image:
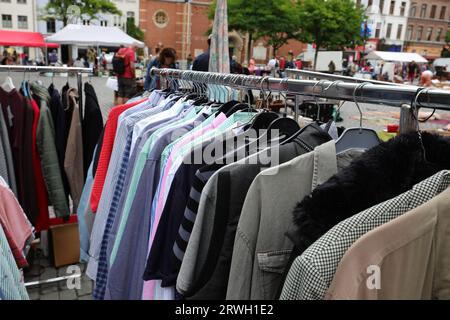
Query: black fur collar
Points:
[378, 175]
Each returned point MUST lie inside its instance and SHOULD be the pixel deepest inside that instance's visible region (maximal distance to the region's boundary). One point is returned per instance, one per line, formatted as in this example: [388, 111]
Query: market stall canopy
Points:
[24, 39]
[395, 56]
[442, 62]
[92, 36]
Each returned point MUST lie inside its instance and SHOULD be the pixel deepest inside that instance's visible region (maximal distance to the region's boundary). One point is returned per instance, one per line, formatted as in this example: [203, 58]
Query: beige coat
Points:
[412, 253]
[73, 162]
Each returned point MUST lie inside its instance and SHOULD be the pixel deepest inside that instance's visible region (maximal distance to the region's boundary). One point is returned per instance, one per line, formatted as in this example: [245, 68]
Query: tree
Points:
[261, 18]
[63, 9]
[329, 23]
[134, 31]
[447, 37]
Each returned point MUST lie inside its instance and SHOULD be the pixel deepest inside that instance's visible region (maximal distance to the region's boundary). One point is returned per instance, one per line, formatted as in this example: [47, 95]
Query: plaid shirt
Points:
[312, 273]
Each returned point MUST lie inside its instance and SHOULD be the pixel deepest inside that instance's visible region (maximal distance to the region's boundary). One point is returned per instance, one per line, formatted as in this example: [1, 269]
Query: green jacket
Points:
[45, 140]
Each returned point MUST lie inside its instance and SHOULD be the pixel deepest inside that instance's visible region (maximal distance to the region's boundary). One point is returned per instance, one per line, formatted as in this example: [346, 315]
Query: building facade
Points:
[184, 25]
[428, 23]
[18, 15]
[129, 9]
[387, 21]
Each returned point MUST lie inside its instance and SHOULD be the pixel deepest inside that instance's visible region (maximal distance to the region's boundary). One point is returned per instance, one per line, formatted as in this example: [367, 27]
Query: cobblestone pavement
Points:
[42, 270]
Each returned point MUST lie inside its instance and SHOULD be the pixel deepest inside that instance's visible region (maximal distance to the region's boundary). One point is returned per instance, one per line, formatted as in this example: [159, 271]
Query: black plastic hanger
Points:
[286, 127]
[227, 106]
[357, 138]
[263, 120]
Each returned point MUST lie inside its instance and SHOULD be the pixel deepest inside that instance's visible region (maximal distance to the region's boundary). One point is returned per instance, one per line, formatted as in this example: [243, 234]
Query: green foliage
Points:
[329, 23]
[58, 9]
[447, 37]
[133, 30]
[274, 19]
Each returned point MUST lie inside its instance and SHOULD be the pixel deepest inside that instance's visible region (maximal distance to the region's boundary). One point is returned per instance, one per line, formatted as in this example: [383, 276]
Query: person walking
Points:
[412, 71]
[124, 68]
[201, 63]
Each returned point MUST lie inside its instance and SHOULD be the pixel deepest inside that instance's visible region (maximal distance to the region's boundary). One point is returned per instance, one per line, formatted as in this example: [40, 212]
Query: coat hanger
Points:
[285, 126]
[357, 138]
[266, 117]
[8, 84]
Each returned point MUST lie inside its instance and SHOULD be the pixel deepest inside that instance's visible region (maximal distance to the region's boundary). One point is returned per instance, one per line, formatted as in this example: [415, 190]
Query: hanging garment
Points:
[97, 152]
[73, 160]
[105, 155]
[61, 133]
[413, 254]
[11, 286]
[312, 272]
[92, 124]
[18, 115]
[173, 192]
[43, 219]
[15, 224]
[157, 118]
[225, 200]
[382, 173]
[122, 143]
[45, 140]
[136, 228]
[261, 249]
[4, 140]
[82, 216]
[3, 164]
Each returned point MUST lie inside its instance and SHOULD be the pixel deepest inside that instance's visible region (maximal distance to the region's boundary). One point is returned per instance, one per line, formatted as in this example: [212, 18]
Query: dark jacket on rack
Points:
[380, 174]
[92, 124]
[59, 120]
[45, 140]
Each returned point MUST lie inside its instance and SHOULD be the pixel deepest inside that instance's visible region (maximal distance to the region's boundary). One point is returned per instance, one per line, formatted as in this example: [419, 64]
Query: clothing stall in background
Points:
[48, 134]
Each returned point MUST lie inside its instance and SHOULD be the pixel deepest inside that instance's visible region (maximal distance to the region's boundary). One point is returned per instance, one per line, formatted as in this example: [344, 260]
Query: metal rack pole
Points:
[390, 95]
[329, 76]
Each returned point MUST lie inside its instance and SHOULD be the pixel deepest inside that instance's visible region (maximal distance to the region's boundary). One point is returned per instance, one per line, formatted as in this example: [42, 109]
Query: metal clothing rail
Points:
[329, 76]
[68, 70]
[365, 92]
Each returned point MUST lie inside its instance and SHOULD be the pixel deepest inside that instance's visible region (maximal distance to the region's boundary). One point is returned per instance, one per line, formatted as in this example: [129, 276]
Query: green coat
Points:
[45, 140]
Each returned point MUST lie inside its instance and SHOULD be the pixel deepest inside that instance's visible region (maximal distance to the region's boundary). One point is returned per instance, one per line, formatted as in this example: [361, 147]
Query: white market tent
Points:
[92, 36]
[395, 56]
[442, 62]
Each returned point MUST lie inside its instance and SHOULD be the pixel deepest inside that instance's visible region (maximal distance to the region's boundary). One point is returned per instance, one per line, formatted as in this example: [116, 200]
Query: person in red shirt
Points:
[127, 80]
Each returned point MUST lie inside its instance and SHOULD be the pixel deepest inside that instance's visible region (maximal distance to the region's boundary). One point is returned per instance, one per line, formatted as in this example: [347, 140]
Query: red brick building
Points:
[184, 27]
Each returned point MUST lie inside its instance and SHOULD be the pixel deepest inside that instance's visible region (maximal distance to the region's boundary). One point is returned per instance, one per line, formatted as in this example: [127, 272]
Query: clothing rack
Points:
[398, 96]
[328, 76]
[69, 70]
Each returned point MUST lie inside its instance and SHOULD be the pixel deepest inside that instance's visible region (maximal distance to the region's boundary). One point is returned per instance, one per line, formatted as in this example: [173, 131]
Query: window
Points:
[438, 34]
[6, 21]
[423, 11]
[378, 30]
[381, 6]
[419, 33]
[85, 22]
[358, 2]
[22, 1]
[403, 9]
[399, 31]
[8, 1]
[160, 19]
[22, 22]
[442, 15]
[429, 33]
[51, 26]
[130, 14]
[412, 11]
[409, 33]
[369, 3]
[392, 8]
[388, 30]
[103, 23]
[433, 12]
